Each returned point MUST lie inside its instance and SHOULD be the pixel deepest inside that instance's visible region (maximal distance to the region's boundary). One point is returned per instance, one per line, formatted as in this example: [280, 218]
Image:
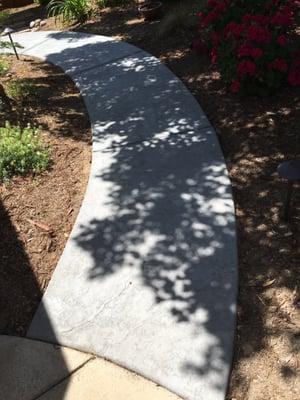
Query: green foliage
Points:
[8, 45]
[20, 89]
[70, 11]
[113, 3]
[41, 2]
[4, 65]
[3, 17]
[252, 42]
[21, 151]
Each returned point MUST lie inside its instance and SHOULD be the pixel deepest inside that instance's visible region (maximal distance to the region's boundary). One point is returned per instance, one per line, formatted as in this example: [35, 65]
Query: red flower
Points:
[294, 74]
[282, 40]
[235, 86]
[261, 19]
[234, 29]
[213, 55]
[246, 67]
[211, 3]
[215, 38]
[220, 7]
[199, 46]
[247, 50]
[259, 34]
[247, 18]
[210, 17]
[279, 64]
[283, 17]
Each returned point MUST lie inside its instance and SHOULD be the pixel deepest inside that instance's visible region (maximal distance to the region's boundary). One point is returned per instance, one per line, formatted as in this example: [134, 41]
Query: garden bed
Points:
[256, 134]
[37, 212]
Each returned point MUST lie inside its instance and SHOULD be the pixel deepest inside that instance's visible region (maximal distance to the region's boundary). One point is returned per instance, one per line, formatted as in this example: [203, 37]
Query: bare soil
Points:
[37, 212]
[256, 134]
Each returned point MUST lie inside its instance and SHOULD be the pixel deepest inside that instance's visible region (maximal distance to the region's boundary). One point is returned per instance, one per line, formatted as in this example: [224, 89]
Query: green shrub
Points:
[4, 66]
[70, 11]
[253, 43]
[20, 89]
[3, 17]
[21, 151]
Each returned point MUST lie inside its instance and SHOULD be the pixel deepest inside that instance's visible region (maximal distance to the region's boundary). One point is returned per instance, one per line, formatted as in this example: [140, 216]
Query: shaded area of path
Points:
[148, 278]
[34, 370]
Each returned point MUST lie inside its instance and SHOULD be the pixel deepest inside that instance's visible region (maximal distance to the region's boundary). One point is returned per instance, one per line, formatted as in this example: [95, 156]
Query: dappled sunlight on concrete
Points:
[148, 278]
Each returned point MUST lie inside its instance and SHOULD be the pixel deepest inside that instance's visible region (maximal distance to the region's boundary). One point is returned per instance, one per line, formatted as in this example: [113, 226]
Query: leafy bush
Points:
[4, 65]
[70, 10]
[21, 151]
[20, 89]
[252, 42]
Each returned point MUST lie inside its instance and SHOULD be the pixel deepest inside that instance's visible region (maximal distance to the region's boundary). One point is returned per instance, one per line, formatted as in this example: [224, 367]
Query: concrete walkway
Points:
[31, 370]
[148, 278]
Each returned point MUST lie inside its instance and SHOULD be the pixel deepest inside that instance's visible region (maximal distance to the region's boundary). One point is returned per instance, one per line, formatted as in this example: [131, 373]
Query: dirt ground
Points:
[256, 135]
[37, 212]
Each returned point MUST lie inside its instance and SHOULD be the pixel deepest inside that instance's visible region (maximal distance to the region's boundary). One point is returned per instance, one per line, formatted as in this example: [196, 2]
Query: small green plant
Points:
[20, 89]
[41, 2]
[70, 11]
[8, 45]
[4, 66]
[21, 151]
[3, 17]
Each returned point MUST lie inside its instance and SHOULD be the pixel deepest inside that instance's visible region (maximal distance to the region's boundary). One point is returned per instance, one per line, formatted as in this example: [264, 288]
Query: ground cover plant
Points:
[70, 11]
[21, 151]
[38, 204]
[3, 16]
[20, 88]
[4, 66]
[253, 43]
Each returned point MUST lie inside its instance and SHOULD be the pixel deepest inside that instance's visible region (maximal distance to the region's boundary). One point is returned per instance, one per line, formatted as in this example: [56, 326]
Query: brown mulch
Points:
[256, 135]
[37, 212]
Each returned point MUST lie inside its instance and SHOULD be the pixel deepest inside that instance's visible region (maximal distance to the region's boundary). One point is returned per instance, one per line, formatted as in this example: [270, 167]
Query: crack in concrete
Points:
[94, 316]
[64, 378]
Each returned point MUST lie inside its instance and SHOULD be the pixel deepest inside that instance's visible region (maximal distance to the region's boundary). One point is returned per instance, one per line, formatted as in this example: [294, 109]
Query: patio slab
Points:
[148, 278]
[32, 370]
[29, 368]
[100, 379]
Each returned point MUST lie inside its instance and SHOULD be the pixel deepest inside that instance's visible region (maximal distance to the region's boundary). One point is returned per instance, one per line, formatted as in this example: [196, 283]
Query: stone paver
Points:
[32, 370]
[102, 380]
[148, 278]
[28, 368]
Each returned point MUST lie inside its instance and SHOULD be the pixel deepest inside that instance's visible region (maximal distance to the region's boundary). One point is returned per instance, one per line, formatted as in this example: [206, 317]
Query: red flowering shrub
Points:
[253, 42]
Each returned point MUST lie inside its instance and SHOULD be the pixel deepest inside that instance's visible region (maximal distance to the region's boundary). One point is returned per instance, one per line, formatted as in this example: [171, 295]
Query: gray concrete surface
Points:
[29, 368]
[32, 370]
[148, 278]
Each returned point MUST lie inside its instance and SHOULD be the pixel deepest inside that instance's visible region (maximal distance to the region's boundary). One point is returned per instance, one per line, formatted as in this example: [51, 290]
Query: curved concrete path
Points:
[31, 370]
[148, 278]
